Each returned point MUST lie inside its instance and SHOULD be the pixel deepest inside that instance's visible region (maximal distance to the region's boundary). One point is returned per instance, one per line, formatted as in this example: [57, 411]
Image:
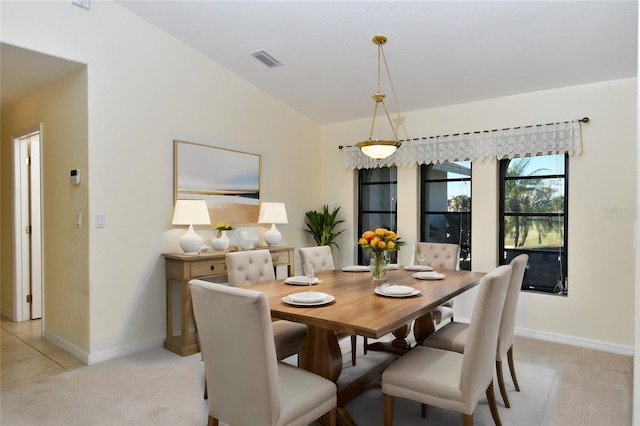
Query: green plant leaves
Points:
[321, 225]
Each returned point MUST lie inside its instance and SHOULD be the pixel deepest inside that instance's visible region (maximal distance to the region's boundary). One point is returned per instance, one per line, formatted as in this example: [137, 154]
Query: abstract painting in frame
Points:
[228, 180]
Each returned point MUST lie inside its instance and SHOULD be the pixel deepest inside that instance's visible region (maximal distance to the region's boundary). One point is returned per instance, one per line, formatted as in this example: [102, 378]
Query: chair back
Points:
[251, 266]
[236, 341]
[320, 257]
[482, 336]
[508, 322]
[439, 255]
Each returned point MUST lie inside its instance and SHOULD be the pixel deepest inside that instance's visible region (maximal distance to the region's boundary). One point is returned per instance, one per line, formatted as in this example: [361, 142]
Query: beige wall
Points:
[601, 253]
[62, 110]
[146, 89]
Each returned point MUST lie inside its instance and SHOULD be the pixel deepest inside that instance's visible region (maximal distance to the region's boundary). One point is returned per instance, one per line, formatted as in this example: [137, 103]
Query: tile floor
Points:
[25, 355]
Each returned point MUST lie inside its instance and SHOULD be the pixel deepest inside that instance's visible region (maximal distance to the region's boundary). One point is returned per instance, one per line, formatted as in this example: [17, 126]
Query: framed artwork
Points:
[228, 180]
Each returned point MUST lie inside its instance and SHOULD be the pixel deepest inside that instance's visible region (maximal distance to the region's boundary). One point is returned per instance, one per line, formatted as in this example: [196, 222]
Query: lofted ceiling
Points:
[439, 52]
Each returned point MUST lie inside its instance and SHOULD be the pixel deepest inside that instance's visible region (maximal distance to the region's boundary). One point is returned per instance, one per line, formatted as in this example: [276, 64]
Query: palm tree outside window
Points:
[533, 212]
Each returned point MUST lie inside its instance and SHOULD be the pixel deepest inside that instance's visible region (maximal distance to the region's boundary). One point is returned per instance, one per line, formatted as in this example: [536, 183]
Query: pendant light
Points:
[379, 148]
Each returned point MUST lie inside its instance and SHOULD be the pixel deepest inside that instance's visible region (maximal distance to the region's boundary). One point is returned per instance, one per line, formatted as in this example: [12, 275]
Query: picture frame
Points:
[229, 181]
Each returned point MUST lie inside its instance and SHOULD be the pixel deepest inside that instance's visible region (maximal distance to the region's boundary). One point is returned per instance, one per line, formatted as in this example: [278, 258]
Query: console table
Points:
[183, 268]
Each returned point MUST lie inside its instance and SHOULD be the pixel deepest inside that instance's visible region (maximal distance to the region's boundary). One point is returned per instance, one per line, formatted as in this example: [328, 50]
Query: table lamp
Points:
[272, 213]
[191, 212]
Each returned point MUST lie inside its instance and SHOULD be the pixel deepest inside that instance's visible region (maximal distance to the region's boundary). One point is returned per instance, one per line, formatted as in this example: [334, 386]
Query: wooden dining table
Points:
[358, 310]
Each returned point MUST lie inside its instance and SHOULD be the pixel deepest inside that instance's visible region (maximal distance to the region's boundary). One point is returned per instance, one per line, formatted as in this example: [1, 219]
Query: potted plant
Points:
[321, 225]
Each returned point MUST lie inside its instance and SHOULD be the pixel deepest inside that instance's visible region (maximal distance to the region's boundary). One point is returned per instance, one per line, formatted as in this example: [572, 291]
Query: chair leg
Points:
[387, 403]
[206, 392]
[492, 405]
[212, 421]
[503, 391]
[366, 342]
[467, 419]
[423, 409]
[353, 349]
[329, 418]
[512, 368]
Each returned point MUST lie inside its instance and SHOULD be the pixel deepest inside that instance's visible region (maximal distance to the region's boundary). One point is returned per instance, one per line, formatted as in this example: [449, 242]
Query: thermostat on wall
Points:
[75, 176]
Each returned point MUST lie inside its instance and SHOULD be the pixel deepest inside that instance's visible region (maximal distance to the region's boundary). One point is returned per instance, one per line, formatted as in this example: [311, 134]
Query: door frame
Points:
[27, 250]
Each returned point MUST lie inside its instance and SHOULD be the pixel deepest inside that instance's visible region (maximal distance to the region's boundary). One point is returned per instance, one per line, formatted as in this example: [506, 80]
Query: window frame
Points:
[506, 254]
[363, 255]
[465, 249]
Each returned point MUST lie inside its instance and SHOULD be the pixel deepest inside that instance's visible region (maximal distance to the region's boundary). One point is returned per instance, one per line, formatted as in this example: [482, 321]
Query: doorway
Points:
[27, 218]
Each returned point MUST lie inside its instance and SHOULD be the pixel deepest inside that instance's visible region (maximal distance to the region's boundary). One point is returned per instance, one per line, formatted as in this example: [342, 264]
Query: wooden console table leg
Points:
[186, 313]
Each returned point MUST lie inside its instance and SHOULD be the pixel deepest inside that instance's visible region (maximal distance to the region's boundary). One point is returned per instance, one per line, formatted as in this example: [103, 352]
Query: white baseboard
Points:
[125, 350]
[67, 346]
[575, 341]
[569, 340]
[106, 355]
[6, 312]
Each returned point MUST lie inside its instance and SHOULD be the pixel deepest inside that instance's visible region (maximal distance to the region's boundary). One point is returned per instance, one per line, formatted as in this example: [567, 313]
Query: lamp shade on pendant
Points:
[191, 212]
[273, 213]
[378, 149]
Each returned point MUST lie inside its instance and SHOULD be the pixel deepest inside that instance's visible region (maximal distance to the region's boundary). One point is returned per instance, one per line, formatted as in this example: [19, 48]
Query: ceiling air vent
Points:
[266, 59]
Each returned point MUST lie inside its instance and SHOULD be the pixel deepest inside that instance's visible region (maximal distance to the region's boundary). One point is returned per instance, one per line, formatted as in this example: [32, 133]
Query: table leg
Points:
[186, 313]
[320, 353]
[398, 345]
[422, 328]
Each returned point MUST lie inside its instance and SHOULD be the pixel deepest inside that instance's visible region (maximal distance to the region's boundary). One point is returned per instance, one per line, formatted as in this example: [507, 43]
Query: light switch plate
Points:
[82, 3]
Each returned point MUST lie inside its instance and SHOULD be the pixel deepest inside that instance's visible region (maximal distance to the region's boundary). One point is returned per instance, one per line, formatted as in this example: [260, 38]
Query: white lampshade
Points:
[191, 212]
[273, 213]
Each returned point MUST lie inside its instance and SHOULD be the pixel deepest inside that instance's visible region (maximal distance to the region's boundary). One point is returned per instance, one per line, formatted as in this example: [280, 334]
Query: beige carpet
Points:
[157, 387]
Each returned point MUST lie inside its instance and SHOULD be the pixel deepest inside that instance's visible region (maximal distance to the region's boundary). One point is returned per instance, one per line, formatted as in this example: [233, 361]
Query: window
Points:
[377, 204]
[533, 212]
[445, 206]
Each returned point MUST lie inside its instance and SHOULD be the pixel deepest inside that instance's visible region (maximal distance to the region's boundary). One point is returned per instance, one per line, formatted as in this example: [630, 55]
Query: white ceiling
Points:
[439, 52]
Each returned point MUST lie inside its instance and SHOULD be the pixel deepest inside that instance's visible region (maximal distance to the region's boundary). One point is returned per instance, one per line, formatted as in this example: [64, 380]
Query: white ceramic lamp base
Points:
[272, 237]
[190, 242]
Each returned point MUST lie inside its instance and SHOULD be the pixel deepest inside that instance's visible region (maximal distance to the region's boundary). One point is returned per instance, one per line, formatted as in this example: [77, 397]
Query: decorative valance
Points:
[540, 139]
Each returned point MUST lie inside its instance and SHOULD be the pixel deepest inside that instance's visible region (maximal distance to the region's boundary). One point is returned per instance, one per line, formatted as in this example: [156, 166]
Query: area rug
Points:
[157, 387]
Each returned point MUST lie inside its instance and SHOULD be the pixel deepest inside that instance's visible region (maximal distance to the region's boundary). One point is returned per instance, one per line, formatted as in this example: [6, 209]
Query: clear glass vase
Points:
[378, 264]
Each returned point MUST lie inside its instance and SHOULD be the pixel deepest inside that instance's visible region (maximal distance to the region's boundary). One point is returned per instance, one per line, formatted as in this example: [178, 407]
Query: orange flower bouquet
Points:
[380, 242]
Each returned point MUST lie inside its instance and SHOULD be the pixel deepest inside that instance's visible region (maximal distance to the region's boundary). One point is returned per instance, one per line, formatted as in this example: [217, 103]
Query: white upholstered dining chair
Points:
[247, 384]
[448, 379]
[322, 260]
[454, 336]
[439, 256]
[252, 266]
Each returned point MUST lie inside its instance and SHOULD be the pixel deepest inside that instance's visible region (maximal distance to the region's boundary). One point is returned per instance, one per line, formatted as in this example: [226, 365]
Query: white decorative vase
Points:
[220, 242]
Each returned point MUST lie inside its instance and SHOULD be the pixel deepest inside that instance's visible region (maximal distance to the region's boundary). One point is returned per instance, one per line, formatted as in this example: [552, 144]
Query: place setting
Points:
[307, 298]
[302, 280]
[394, 290]
[428, 275]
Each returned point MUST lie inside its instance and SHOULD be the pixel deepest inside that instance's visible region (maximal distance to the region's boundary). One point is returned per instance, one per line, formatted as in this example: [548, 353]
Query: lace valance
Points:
[541, 139]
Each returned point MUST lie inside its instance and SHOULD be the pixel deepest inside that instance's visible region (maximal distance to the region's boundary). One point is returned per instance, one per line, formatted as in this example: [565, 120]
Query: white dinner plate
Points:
[397, 289]
[356, 268]
[432, 275]
[328, 299]
[308, 297]
[392, 266]
[418, 268]
[381, 291]
[301, 280]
